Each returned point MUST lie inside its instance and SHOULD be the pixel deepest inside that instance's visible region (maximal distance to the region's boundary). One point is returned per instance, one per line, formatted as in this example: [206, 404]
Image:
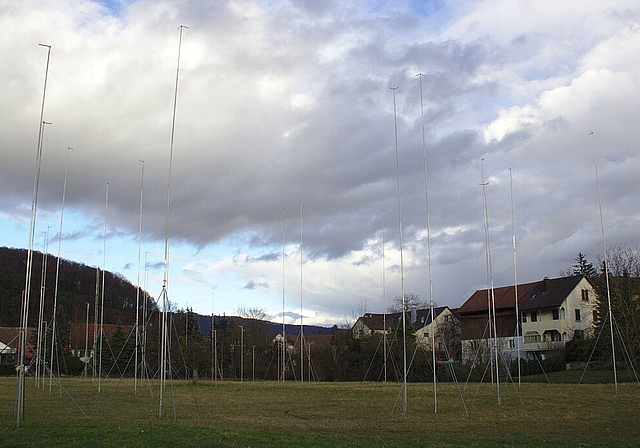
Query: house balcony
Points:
[543, 346]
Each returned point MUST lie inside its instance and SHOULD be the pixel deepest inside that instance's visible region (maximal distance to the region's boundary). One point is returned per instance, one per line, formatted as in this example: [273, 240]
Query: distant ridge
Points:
[76, 288]
[274, 328]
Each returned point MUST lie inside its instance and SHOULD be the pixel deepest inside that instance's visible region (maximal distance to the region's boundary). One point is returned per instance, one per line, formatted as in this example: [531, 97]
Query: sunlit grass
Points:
[326, 414]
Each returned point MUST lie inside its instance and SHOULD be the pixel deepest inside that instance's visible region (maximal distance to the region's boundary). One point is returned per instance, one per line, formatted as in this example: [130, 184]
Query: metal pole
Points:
[384, 294]
[241, 353]
[104, 268]
[515, 279]
[55, 294]
[284, 331]
[606, 269]
[301, 310]
[86, 342]
[135, 375]
[165, 336]
[490, 295]
[24, 321]
[429, 265]
[43, 279]
[404, 307]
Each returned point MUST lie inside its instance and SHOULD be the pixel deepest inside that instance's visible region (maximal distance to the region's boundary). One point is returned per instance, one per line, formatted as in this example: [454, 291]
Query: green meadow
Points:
[319, 414]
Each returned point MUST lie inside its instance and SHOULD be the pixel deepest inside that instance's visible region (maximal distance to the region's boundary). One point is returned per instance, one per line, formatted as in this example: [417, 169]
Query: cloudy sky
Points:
[284, 141]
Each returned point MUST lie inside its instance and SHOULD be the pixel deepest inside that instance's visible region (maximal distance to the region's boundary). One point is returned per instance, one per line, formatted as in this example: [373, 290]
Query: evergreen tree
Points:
[584, 267]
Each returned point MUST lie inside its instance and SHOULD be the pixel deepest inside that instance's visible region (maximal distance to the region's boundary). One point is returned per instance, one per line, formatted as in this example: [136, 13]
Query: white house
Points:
[552, 311]
[372, 323]
[444, 326]
[562, 309]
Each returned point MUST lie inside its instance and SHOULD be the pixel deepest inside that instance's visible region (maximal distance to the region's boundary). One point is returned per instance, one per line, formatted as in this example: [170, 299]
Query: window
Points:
[563, 314]
[512, 344]
[578, 317]
[556, 314]
[595, 315]
[585, 295]
[524, 317]
[578, 334]
[534, 316]
[551, 336]
[532, 336]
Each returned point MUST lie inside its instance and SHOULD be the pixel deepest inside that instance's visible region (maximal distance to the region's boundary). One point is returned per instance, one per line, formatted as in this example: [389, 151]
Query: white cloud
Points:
[281, 103]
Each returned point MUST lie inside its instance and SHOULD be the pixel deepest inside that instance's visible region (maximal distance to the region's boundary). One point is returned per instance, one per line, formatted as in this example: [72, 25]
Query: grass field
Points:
[325, 414]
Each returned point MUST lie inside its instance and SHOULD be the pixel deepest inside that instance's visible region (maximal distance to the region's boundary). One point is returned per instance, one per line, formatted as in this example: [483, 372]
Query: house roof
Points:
[424, 317]
[548, 292]
[375, 321]
[5, 349]
[551, 294]
[11, 335]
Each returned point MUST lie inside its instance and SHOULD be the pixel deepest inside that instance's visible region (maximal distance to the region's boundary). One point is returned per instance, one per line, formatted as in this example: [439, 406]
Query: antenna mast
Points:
[24, 321]
[429, 266]
[165, 360]
[404, 306]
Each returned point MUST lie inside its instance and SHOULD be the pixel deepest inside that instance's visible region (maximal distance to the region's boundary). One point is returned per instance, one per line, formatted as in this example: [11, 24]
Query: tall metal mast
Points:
[135, 375]
[24, 321]
[404, 307]
[490, 296]
[429, 266]
[606, 268]
[165, 354]
[301, 310]
[515, 279]
[55, 294]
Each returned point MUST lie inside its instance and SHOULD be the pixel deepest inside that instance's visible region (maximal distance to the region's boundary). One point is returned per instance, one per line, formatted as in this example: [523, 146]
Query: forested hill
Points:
[76, 288]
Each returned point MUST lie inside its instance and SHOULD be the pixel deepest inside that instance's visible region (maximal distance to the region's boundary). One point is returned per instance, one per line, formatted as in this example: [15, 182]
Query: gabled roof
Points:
[11, 335]
[5, 349]
[424, 317]
[375, 322]
[551, 291]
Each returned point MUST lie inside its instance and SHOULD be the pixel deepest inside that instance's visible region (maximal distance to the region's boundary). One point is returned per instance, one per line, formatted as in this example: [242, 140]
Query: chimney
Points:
[546, 284]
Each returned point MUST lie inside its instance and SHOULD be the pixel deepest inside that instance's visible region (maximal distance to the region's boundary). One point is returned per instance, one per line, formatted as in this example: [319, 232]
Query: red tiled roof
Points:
[504, 296]
[10, 335]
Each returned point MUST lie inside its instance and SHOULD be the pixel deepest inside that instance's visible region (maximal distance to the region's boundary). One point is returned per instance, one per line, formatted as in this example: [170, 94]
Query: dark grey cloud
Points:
[288, 103]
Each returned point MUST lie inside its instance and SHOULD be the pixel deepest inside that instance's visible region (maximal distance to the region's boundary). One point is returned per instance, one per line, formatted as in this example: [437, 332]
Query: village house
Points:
[557, 311]
[445, 327]
[552, 311]
[10, 343]
[372, 323]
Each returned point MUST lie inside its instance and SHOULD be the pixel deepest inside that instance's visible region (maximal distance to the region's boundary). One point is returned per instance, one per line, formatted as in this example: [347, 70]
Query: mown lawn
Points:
[320, 414]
